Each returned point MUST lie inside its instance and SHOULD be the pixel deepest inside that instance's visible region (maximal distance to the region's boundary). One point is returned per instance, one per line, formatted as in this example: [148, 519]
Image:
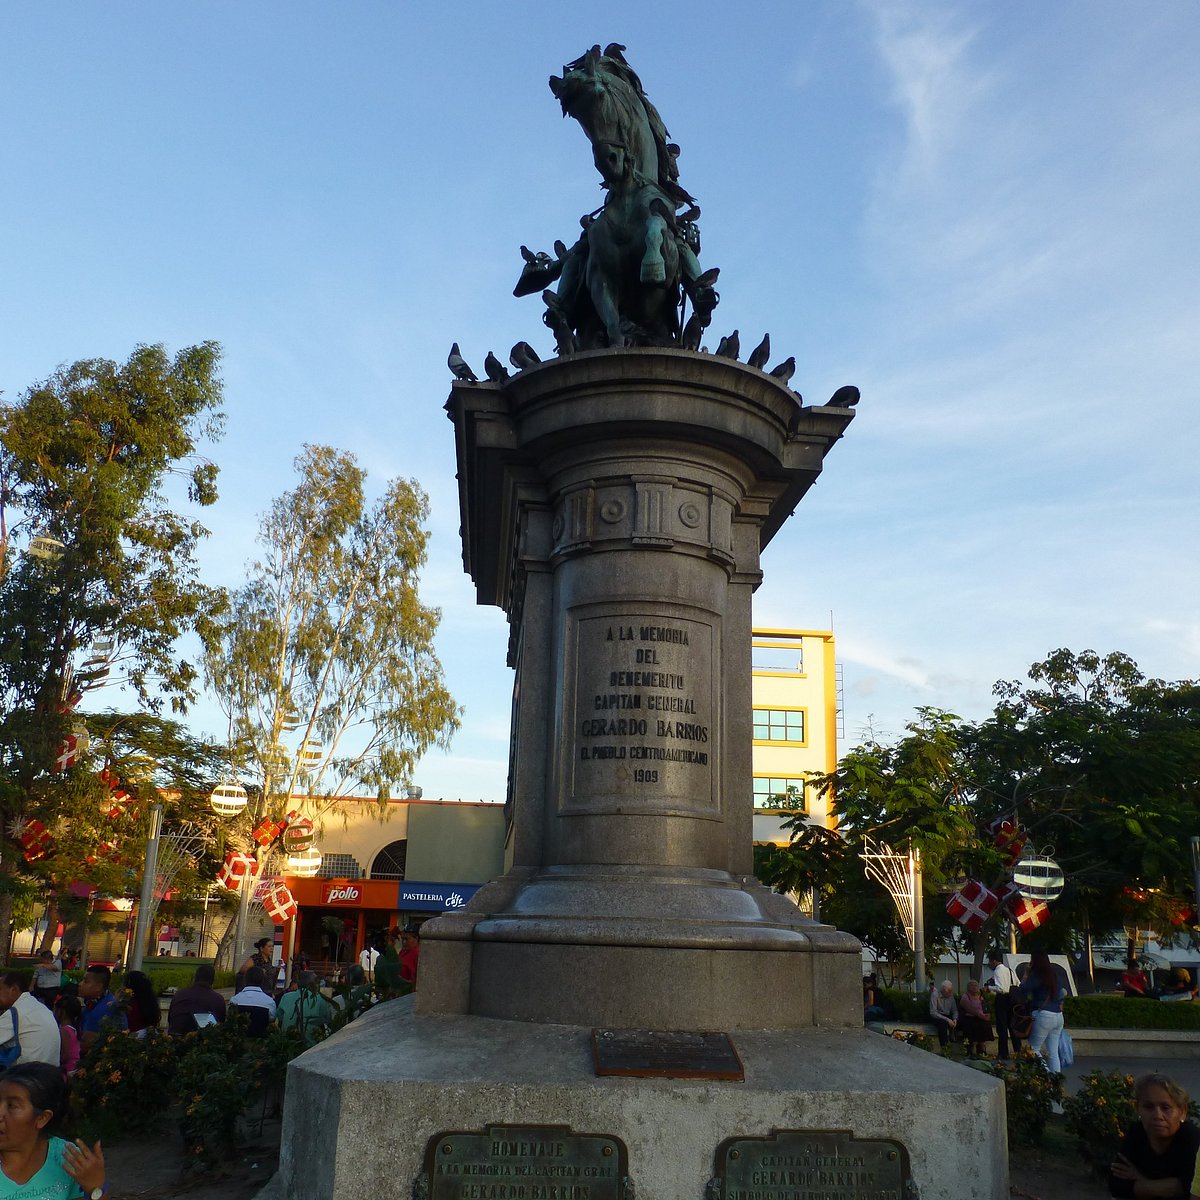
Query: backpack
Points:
[11, 1051]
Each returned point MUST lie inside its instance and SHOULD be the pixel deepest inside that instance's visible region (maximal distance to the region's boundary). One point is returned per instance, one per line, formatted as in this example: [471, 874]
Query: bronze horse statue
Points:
[621, 283]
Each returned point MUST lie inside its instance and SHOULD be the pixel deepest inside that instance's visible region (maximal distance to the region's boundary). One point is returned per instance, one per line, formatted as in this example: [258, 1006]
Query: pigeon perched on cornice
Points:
[844, 397]
[495, 370]
[523, 355]
[728, 347]
[760, 353]
[785, 370]
[458, 366]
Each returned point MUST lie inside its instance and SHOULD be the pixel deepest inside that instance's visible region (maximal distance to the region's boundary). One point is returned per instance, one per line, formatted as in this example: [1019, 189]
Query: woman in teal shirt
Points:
[34, 1165]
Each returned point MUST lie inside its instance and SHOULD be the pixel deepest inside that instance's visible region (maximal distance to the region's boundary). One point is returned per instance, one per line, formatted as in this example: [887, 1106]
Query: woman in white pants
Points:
[1045, 988]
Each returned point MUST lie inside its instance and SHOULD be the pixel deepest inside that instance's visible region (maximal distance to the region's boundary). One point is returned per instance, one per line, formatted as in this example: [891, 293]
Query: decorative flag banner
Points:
[280, 904]
[972, 904]
[237, 866]
[1028, 914]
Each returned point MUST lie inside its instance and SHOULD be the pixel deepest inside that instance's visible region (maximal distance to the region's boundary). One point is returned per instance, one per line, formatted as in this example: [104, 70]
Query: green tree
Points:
[1102, 766]
[324, 662]
[97, 569]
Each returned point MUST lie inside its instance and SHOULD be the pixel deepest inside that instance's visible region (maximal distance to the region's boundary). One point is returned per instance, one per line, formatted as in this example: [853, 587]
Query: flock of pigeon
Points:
[523, 355]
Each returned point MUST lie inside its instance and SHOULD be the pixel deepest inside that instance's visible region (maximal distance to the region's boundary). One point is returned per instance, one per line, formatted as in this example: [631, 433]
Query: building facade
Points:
[795, 726]
[422, 858]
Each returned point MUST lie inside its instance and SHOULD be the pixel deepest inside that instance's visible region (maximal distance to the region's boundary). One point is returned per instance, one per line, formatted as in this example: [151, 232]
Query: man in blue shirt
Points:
[99, 1004]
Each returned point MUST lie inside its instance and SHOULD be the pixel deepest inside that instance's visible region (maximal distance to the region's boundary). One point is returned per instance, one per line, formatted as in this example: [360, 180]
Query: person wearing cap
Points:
[261, 958]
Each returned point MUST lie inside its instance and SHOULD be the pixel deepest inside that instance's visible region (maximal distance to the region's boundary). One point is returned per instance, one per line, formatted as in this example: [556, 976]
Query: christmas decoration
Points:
[305, 864]
[280, 904]
[1027, 915]
[236, 868]
[298, 835]
[972, 904]
[35, 840]
[1039, 878]
[1009, 838]
[267, 830]
[228, 799]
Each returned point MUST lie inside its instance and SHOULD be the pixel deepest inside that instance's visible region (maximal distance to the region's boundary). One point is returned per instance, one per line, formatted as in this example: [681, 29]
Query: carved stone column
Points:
[615, 504]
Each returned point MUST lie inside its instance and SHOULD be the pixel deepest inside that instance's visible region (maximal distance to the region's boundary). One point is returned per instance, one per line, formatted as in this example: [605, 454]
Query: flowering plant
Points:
[1030, 1091]
[124, 1084]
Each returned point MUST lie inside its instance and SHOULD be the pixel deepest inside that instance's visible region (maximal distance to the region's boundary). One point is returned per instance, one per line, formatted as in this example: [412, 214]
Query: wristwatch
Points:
[99, 1193]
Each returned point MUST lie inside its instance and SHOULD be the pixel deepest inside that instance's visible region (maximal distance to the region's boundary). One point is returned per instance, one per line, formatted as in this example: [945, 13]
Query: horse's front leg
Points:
[604, 301]
[654, 267]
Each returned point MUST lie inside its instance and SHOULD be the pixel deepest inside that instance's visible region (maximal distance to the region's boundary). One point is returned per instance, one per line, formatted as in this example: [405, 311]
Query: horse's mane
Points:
[626, 92]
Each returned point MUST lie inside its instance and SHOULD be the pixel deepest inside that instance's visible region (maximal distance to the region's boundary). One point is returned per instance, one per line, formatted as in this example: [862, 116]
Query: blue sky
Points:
[983, 215]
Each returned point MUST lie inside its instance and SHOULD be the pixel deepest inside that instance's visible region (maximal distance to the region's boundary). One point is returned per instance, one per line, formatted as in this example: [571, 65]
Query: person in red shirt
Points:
[410, 949]
[1134, 981]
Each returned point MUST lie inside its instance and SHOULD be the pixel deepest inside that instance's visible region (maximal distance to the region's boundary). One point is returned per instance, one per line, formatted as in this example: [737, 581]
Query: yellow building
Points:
[795, 697]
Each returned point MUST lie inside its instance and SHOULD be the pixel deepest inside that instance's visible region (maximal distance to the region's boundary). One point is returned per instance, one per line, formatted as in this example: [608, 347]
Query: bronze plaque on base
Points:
[811, 1164]
[650, 1054]
[524, 1162]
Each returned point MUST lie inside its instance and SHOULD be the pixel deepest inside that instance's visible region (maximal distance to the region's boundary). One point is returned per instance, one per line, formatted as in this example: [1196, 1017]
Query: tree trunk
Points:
[5, 926]
[226, 949]
[51, 925]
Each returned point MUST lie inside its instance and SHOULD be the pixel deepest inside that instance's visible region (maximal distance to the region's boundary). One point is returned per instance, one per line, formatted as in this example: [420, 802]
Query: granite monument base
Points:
[362, 1106]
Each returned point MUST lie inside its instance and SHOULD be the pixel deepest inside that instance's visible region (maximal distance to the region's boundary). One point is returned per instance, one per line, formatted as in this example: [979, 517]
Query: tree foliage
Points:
[98, 575]
[325, 662]
[1098, 763]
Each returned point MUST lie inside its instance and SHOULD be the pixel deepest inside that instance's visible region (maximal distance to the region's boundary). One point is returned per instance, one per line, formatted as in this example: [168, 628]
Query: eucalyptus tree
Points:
[98, 572]
[324, 662]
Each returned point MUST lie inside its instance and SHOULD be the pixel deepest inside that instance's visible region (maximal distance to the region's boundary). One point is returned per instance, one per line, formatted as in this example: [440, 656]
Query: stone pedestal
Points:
[361, 1107]
[615, 504]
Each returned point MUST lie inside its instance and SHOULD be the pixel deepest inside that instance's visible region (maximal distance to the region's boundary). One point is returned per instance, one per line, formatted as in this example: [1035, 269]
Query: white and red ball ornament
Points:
[972, 904]
[1039, 877]
[298, 836]
[236, 868]
[228, 799]
[305, 863]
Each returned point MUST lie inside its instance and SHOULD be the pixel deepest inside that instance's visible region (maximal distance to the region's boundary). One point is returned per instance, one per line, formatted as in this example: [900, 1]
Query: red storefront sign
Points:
[335, 892]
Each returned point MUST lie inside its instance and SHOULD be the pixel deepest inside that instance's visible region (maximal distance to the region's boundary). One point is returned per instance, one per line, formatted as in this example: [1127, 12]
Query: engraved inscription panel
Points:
[811, 1164]
[666, 1055]
[643, 720]
[525, 1162]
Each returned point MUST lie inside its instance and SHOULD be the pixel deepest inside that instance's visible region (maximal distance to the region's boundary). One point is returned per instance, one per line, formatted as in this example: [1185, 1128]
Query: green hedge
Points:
[1120, 1012]
[178, 977]
[1080, 1012]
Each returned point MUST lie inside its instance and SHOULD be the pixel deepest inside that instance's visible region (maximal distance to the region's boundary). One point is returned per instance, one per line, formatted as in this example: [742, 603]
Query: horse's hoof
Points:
[653, 271]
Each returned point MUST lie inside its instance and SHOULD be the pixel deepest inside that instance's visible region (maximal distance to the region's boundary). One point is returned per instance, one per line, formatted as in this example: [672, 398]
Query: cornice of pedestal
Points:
[658, 447]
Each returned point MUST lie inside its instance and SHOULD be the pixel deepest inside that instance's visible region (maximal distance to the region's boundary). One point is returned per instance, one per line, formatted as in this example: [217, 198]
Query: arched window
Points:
[389, 862]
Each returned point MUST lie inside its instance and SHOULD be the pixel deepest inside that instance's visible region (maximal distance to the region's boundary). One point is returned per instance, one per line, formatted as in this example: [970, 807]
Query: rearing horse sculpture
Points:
[620, 284]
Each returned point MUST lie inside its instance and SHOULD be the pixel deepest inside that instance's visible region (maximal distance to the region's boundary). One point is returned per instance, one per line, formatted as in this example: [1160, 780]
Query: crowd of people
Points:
[46, 1026]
